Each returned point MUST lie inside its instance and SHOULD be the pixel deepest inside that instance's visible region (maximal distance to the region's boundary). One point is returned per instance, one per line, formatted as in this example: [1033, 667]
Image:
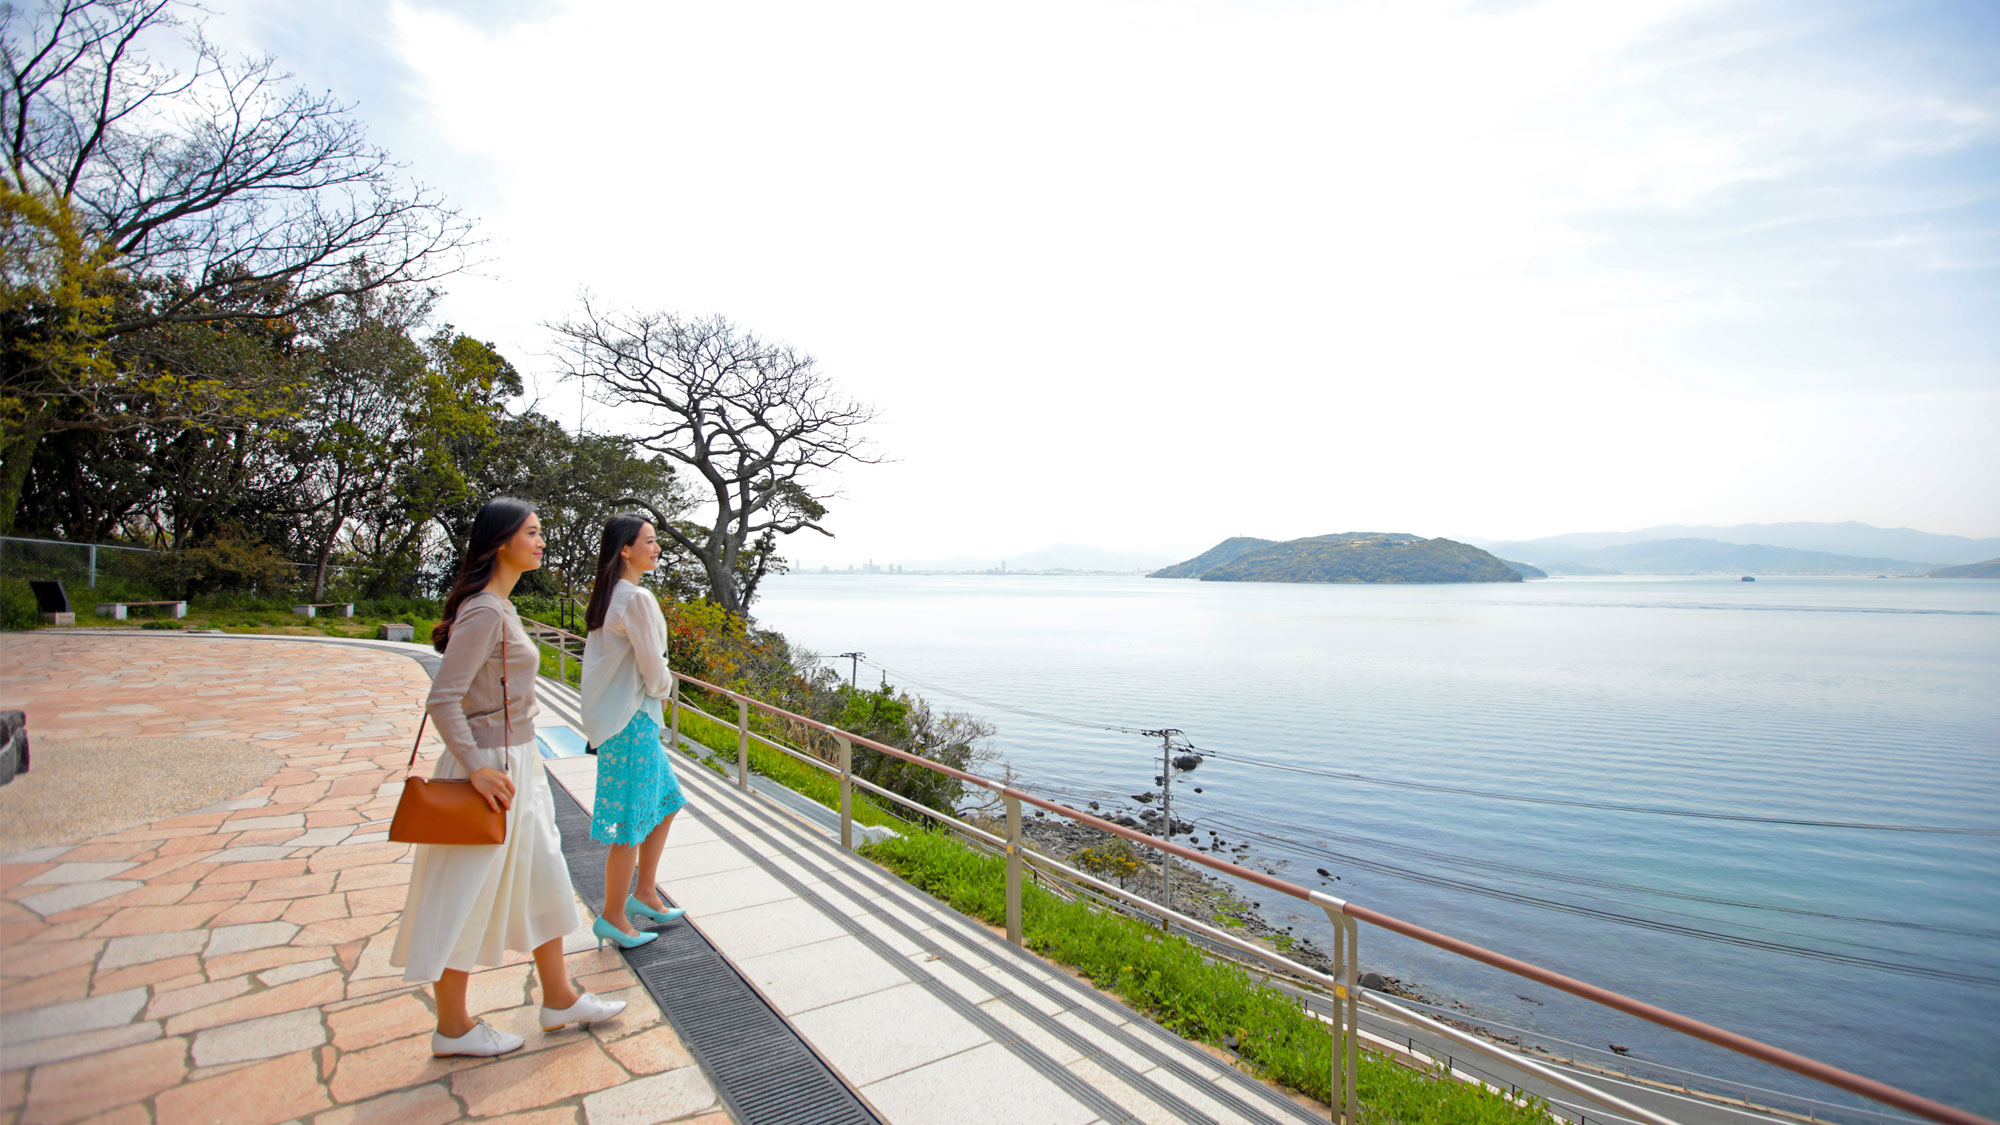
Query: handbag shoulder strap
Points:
[506, 707]
[411, 768]
[506, 704]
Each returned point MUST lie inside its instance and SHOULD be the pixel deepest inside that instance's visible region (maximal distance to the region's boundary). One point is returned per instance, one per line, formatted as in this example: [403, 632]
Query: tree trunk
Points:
[325, 553]
[17, 452]
[721, 583]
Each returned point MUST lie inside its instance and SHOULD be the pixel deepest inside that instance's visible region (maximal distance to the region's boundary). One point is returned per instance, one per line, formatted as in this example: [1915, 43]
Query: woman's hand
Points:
[495, 786]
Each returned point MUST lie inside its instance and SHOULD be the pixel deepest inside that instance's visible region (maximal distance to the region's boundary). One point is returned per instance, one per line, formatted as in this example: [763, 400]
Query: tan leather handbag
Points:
[436, 810]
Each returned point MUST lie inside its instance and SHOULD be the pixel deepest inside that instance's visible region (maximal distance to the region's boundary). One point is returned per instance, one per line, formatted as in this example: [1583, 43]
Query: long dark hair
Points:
[497, 521]
[620, 532]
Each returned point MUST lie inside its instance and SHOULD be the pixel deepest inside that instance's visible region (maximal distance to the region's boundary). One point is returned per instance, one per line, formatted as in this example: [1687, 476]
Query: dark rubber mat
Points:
[763, 1071]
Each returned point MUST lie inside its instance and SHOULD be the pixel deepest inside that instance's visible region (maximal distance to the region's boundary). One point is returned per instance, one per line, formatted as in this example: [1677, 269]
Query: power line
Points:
[1433, 787]
[1011, 709]
[1649, 810]
[1900, 967]
[1402, 872]
[1462, 861]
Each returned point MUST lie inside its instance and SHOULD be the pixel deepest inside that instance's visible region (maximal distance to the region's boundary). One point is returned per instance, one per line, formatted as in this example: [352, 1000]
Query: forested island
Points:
[1355, 556]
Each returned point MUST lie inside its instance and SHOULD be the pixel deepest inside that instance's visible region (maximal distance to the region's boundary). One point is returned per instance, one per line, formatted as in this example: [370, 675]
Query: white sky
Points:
[1144, 275]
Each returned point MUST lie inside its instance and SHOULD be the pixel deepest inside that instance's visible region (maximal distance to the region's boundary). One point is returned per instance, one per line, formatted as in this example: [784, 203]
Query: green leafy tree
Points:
[353, 432]
[141, 198]
[577, 481]
[453, 416]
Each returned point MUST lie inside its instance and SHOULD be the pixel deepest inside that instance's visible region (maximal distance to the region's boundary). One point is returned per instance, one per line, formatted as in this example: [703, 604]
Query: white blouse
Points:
[625, 664]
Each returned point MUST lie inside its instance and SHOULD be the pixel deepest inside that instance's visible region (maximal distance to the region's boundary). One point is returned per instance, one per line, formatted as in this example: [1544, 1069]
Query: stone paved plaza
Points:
[231, 964]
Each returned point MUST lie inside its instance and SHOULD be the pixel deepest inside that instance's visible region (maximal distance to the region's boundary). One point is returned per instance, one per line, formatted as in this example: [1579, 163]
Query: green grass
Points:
[552, 667]
[231, 613]
[815, 785]
[1169, 978]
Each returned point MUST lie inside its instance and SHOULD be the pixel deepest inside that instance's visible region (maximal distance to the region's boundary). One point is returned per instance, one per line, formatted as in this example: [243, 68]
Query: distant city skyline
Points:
[1147, 275]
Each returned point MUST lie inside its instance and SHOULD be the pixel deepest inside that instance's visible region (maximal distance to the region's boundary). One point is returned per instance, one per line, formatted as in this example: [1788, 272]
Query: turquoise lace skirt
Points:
[636, 788]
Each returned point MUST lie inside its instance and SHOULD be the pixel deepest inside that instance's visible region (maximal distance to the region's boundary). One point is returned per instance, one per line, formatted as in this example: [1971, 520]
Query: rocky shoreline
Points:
[1195, 893]
[1211, 898]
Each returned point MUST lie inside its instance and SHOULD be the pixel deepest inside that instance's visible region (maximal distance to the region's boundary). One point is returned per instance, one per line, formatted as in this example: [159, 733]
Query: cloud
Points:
[1269, 266]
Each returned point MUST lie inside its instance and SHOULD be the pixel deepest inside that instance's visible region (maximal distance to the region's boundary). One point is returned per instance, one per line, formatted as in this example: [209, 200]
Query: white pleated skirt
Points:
[469, 904]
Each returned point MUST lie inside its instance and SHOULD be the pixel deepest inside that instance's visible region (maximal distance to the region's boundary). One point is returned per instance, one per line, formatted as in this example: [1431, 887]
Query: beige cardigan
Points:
[465, 694]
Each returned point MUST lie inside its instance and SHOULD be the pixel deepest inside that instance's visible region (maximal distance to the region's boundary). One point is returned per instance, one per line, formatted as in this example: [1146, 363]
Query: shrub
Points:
[17, 604]
[1114, 859]
[230, 561]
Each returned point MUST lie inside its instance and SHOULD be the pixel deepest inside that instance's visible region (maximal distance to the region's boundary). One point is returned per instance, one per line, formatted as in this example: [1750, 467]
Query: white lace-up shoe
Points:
[481, 1042]
[588, 1009]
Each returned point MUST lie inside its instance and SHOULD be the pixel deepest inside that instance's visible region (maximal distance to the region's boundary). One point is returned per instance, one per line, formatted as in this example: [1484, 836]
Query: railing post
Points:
[562, 661]
[673, 712]
[1344, 1091]
[846, 792]
[1013, 869]
[93, 566]
[742, 744]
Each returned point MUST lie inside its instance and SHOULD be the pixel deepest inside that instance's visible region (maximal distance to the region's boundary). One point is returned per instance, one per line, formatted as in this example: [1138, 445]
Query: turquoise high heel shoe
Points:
[636, 909]
[605, 931]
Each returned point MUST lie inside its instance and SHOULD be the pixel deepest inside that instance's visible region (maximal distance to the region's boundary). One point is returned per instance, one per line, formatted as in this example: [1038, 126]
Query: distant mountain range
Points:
[1857, 540]
[1356, 556]
[1709, 556]
[1756, 548]
[1073, 557]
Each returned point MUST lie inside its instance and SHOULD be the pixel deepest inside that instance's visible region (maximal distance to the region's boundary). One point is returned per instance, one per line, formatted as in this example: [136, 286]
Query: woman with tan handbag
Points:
[469, 904]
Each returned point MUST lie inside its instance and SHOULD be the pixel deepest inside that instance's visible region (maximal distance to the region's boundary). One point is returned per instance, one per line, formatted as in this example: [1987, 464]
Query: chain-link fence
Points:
[83, 564]
[87, 564]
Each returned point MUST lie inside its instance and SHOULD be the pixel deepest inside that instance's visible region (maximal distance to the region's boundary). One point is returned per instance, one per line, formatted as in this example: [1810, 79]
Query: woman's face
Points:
[523, 552]
[644, 553]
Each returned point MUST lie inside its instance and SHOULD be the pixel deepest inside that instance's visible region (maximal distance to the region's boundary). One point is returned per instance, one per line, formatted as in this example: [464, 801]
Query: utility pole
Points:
[853, 668]
[1166, 737]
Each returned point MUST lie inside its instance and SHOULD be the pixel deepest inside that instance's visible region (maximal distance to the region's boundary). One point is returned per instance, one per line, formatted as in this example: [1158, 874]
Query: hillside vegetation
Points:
[1363, 556]
[1223, 552]
[1988, 569]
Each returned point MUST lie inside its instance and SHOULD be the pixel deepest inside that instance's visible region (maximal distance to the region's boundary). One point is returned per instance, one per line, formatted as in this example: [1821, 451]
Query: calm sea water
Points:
[1858, 701]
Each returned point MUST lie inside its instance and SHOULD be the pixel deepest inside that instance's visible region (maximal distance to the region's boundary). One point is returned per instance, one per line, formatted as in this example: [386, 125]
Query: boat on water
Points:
[1748, 578]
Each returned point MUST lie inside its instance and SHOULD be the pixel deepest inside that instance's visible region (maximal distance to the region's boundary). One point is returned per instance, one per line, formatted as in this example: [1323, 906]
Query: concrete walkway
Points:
[929, 1016]
[231, 964]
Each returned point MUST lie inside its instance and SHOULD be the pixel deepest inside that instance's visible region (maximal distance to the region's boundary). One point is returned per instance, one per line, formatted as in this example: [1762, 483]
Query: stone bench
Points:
[395, 632]
[312, 609]
[13, 745]
[116, 610]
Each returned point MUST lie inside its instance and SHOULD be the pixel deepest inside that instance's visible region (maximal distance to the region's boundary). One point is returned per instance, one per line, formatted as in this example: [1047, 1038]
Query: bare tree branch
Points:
[227, 177]
[756, 422]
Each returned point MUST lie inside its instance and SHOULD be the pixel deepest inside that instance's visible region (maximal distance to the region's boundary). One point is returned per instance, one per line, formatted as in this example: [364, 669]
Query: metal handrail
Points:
[1341, 913]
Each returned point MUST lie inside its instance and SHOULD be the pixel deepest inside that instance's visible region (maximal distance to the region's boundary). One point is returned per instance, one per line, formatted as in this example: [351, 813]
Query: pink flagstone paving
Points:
[232, 964]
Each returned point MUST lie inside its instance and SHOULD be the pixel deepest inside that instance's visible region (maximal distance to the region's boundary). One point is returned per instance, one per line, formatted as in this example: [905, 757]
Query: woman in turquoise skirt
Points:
[625, 677]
